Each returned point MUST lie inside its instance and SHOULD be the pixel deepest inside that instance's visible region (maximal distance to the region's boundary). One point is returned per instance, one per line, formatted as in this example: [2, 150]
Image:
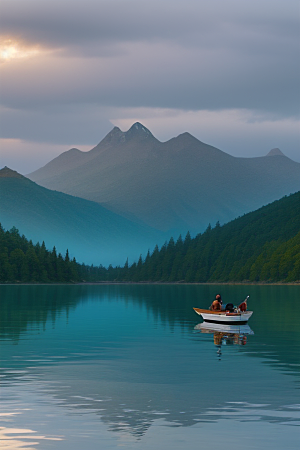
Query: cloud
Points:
[191, 55]
[26, 156]
[96, 59]
[156, 75]
[71, 22]
[72, 125]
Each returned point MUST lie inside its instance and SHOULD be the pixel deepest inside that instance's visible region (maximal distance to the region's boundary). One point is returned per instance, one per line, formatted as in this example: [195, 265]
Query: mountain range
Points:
[90, 232]
[175, 186]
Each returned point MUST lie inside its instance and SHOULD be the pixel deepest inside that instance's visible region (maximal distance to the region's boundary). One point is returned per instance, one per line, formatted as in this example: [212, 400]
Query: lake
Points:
[129, 366]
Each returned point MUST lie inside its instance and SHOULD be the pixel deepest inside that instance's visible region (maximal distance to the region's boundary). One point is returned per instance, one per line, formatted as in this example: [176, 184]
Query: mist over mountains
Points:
[175, 186]
[91, 233]
[132, 191]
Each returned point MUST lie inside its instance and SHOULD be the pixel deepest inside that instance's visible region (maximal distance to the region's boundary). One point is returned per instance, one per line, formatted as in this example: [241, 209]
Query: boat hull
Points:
[223, 317]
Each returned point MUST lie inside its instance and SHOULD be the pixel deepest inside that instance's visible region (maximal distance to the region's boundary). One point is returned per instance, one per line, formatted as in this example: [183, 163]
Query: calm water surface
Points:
[104, 367]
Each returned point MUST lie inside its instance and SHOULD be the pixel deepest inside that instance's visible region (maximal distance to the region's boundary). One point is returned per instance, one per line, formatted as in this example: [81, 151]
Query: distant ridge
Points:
[88, 230]
[174, 186]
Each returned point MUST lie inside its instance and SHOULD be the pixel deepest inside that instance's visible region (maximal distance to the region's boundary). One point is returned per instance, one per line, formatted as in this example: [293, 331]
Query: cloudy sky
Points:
[227, 71]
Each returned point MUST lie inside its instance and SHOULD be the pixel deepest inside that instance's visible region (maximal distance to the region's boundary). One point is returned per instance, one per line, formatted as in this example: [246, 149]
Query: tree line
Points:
[23, 261]
[260, 246]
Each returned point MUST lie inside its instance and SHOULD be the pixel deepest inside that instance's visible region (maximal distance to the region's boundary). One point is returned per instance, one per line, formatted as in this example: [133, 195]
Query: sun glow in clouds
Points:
[10, 49]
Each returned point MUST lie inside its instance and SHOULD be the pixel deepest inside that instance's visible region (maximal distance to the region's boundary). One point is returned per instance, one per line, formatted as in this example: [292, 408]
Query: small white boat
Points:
[224, 317]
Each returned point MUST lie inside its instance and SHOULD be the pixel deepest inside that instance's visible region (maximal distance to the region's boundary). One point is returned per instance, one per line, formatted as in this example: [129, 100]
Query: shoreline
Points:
[175, 283]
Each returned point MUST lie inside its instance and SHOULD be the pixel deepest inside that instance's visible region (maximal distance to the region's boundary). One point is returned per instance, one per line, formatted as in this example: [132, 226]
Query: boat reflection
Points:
[225, 334]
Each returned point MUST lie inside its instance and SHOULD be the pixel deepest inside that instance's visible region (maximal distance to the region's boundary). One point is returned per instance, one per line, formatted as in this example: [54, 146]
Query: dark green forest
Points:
[262, 246]
[22, 261]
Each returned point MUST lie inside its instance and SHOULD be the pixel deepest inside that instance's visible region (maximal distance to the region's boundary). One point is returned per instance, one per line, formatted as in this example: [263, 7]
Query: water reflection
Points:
[225, 334]
[15, 438]
[132, 355]
[12, 438]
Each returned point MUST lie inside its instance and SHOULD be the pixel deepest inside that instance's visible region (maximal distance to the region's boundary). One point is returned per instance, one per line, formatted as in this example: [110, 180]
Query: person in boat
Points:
[217, 303]
[243, 306]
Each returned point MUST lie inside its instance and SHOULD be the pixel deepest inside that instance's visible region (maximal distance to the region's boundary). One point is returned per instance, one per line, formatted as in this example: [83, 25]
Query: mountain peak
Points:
[275, 152]
[140, 127]
[187, 137]
[115, 131]
[138, 130]
[6, 172]
[113, 137]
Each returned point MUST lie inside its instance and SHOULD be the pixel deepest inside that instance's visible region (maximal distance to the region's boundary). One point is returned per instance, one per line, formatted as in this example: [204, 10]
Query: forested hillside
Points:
[22, 261]
[260, 246]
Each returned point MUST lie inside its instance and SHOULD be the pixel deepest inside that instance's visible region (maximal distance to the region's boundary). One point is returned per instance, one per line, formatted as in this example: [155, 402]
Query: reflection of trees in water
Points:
[169, 304]
[125, 405]
[36, 304]
[275, 311]
[22, 306]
